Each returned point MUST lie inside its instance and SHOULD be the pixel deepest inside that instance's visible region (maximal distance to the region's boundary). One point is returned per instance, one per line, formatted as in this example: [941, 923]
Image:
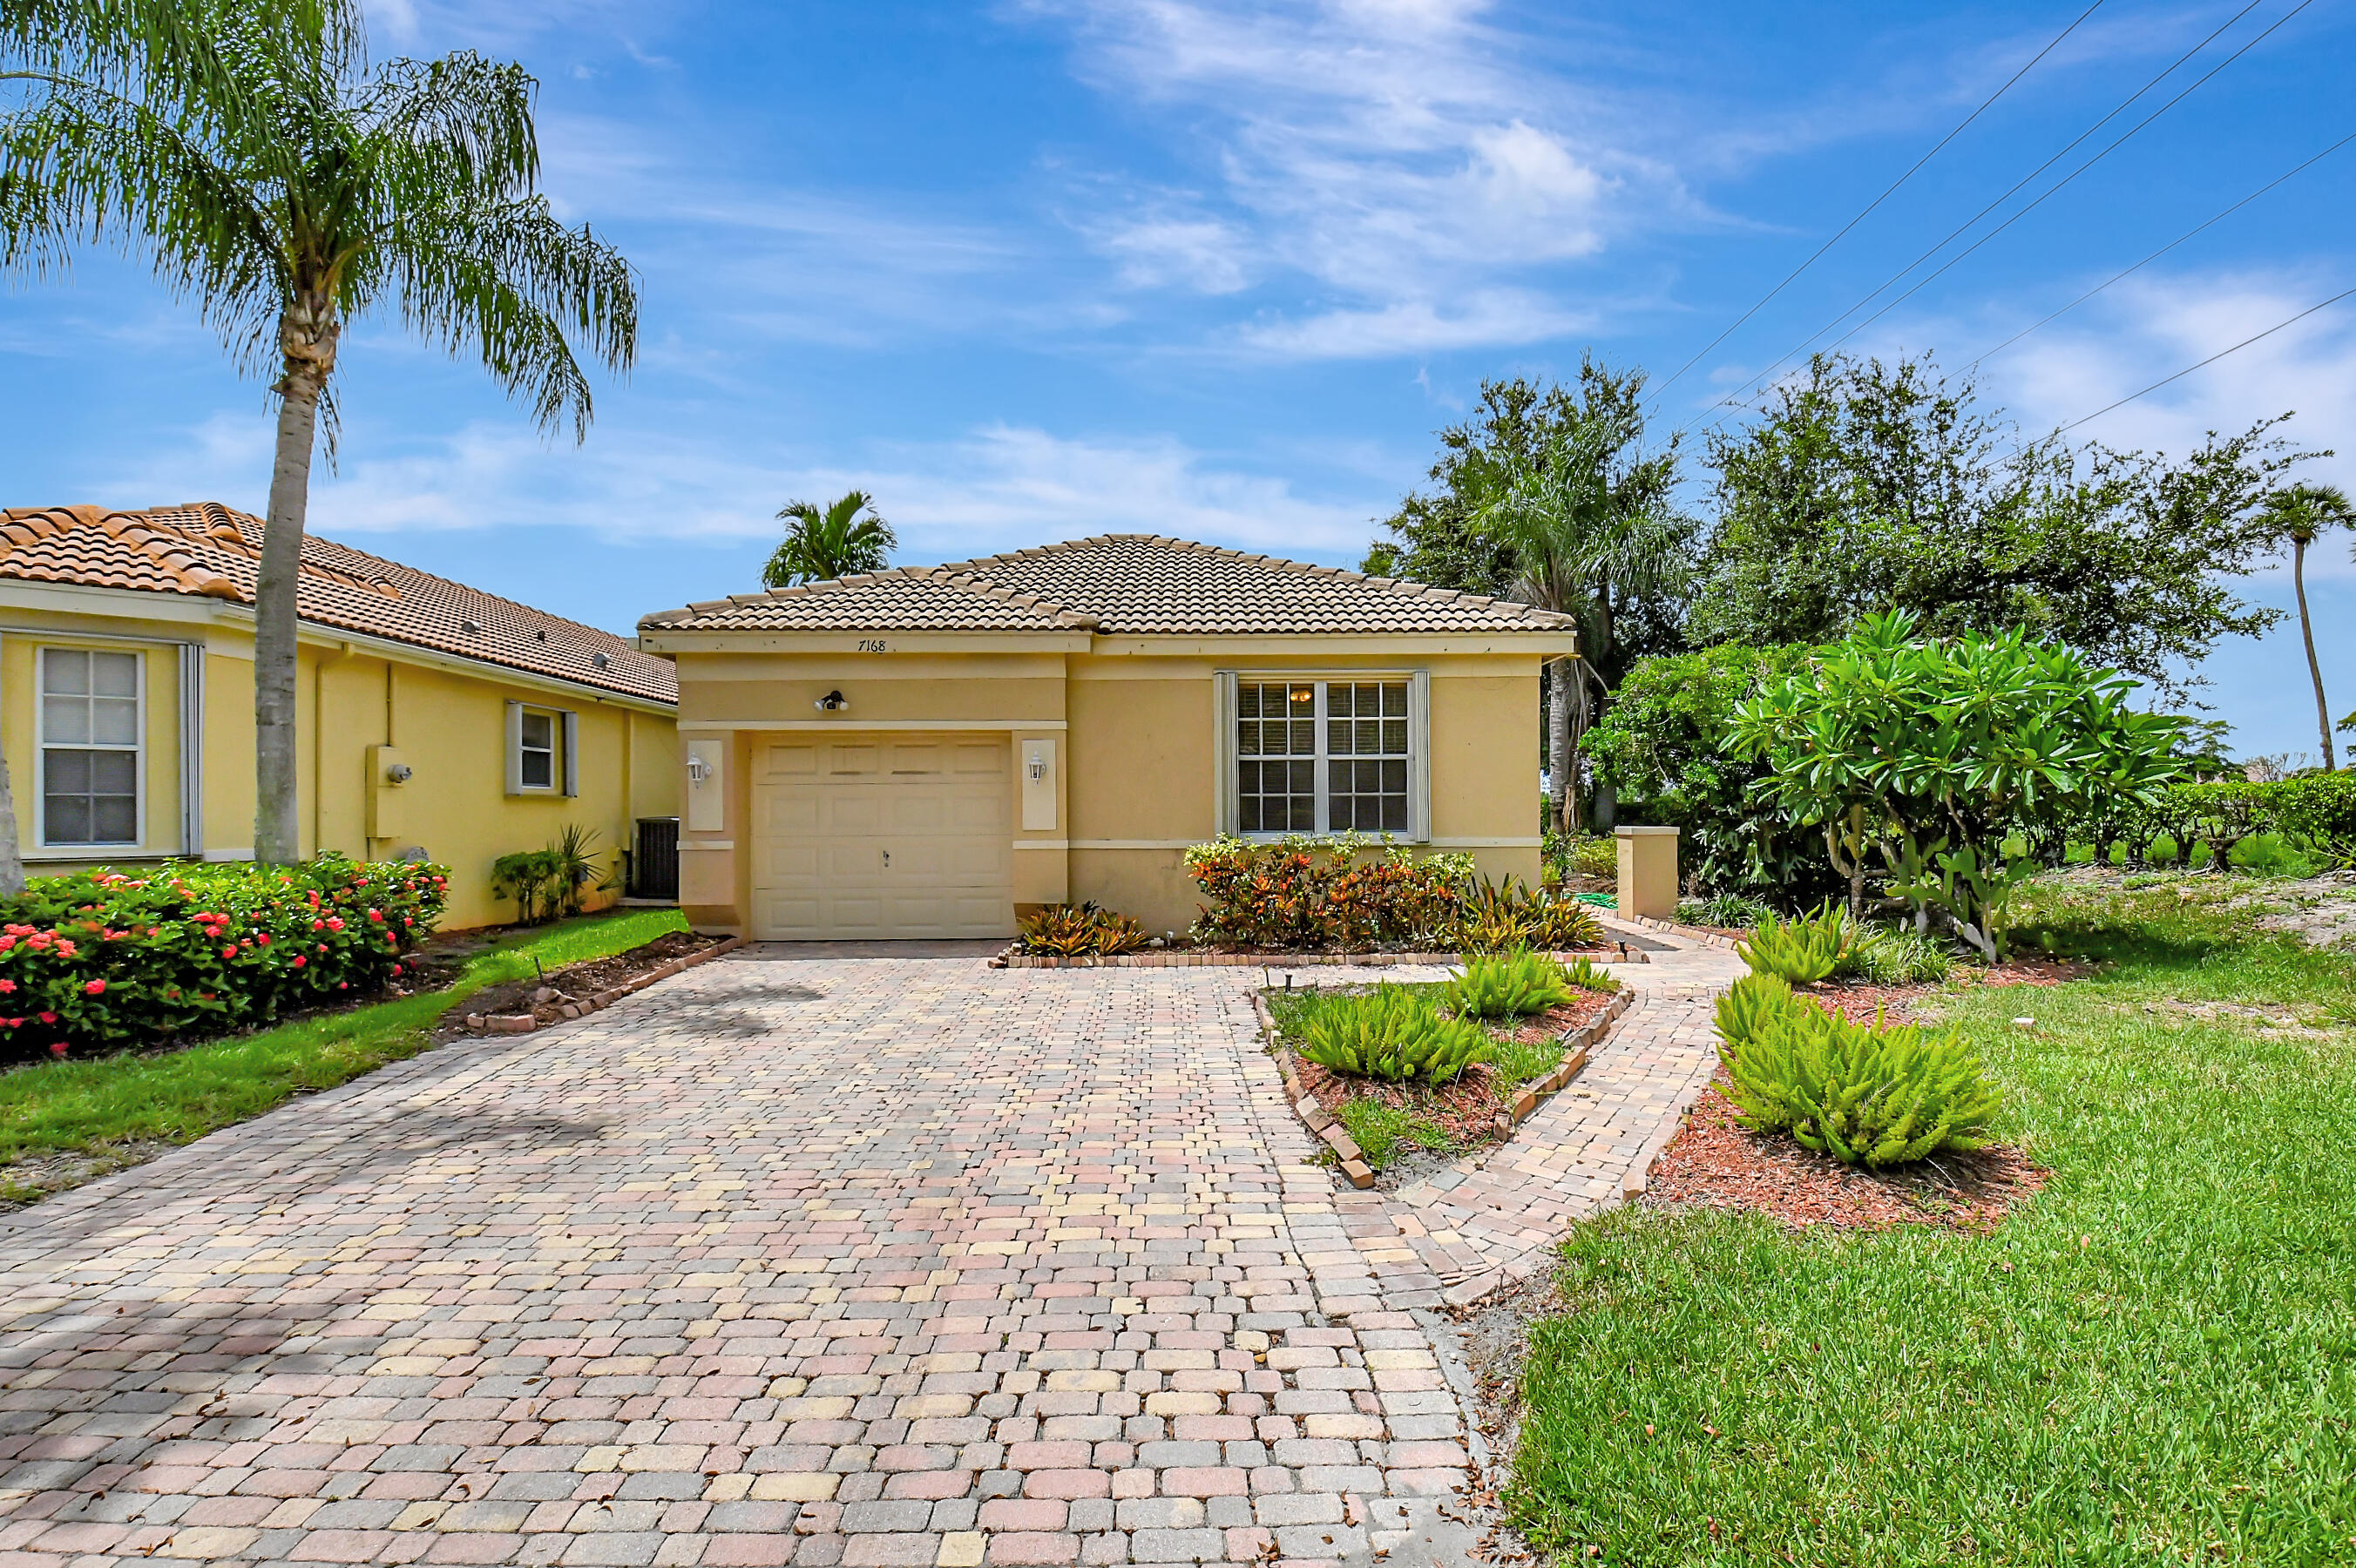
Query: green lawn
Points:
[107, 1102]
[2153, 1361]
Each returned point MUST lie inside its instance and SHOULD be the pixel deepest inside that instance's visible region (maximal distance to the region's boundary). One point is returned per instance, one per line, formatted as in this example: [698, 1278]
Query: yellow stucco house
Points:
[436, 721]
[925, 751]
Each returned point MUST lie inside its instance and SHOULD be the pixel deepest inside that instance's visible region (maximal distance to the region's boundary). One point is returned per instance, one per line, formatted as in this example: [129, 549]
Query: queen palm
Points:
[287, 189]
[2302, 514]
[1591, 532]
[835, 541]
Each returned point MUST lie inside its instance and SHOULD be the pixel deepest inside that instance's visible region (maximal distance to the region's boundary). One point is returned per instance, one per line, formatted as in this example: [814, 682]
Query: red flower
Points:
[318, 925]
[335, 924]
[300, 961]
[262, 940]
[396, 968]
[57, 1049]
[47, 1018]
[377, 915]
[7, 987]
[94, 987]
[230, 951]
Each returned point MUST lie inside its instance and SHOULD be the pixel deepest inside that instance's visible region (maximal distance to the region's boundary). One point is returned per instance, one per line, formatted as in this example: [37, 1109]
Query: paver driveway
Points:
[893, 1260]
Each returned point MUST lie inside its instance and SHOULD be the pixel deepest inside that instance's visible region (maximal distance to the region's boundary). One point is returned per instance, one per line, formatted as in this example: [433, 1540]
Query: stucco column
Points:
[1648, 871]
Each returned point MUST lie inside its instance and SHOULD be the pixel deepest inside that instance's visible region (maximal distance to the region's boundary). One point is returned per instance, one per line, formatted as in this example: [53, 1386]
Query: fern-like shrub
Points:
[1393, 1033]
[1590, 977]
[1064, 931]
[1803, 950]
[1894, 955]
[1876, 1095]
[1507, 985]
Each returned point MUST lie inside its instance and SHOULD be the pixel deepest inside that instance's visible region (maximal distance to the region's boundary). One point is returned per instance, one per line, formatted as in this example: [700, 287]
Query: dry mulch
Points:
[1715, 1163]
[545, 996]
[1466, 1110]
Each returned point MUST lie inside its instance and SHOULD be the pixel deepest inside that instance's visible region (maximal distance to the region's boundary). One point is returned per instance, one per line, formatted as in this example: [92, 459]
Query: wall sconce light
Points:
[832, 702]
[399, 772]
[1038, 765]
[698, 769]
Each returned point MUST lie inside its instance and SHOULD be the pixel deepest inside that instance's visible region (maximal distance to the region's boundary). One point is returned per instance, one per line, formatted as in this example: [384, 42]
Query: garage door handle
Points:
[887, 858]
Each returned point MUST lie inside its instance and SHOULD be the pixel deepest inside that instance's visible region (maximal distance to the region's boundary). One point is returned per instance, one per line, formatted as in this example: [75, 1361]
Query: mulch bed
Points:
[1714, 1163]
[1466, 1110]
[546, 996]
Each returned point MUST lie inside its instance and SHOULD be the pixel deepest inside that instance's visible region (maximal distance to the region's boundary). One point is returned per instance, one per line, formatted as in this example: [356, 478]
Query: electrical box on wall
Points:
[388, 794]
[1039, 815]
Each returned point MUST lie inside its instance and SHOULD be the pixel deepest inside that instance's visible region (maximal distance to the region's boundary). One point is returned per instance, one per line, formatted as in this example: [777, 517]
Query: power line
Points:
[2122, 108]
[1878, 200]
[2056, 187]
[2163, 251]
[2164, 380]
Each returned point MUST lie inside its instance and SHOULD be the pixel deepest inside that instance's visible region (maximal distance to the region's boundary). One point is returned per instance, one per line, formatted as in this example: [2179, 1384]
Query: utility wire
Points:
[2164, 380]
[1867, 211]
[2055, 187]
[2163, 251]
[2123, 106]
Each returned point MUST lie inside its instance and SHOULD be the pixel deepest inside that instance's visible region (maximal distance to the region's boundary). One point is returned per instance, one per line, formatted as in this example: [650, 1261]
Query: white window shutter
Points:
[515, 747]
[571, 752]
[1223, 750]
[1418, 745]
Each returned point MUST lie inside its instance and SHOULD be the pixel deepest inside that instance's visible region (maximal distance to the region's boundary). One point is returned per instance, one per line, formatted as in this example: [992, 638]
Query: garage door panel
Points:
[828, 817]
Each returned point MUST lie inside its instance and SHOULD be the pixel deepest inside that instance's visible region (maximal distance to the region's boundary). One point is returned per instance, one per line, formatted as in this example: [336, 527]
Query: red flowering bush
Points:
[1325, 893]
[102, 960]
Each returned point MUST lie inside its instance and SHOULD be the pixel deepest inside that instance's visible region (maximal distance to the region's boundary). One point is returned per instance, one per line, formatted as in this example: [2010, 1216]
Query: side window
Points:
[536, 751]
[542, 756]
[90, 741]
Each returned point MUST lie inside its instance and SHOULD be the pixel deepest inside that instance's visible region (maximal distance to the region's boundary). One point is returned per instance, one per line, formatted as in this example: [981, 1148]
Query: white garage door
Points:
[881, 836]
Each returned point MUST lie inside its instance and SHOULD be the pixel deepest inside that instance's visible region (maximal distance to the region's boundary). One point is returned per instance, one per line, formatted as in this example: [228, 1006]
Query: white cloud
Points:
[1485, 319]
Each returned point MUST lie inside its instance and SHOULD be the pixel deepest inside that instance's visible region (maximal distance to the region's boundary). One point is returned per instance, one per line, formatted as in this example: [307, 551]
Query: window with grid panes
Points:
[1319, 756]
[89, 747]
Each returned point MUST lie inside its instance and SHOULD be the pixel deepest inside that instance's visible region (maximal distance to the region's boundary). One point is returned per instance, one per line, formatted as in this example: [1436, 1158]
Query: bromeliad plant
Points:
[1928, 753]
[103, 960]
[1874, 1096]
[1064, 931]
[1506, 916]
[1392, 1034]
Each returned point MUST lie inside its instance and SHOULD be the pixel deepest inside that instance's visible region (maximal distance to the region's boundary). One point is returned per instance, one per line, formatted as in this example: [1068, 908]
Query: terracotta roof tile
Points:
[1117, 585]
[208, 550]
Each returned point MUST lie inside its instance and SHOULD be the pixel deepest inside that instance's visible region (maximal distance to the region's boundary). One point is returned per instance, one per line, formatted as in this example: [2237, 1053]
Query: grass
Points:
[2153, 1361]
[1381, 1130]
[108, 1103]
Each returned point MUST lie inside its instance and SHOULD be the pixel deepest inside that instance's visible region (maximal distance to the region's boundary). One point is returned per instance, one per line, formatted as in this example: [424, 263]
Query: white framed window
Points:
[1324, 754]
[544, 750]
[92, 736]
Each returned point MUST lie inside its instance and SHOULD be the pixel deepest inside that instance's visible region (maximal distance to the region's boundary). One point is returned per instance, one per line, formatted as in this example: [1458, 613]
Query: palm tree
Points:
[2302, 514]
[248, 152]
[1590, 524]
[836, 542]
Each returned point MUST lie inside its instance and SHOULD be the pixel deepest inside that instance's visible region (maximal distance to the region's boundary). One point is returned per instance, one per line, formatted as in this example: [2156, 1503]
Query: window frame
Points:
[1227, 706]
[43, 746]
[564, 752]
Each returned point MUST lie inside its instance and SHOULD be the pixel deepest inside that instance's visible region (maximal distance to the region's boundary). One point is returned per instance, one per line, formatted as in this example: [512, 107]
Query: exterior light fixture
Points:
[832, 702]
[698, 769]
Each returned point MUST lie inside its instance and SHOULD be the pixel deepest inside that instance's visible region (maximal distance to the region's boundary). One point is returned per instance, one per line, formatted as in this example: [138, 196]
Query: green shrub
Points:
[531, 877]
[1517, 1061]
[1595, 856]
[1894, 955]
[1590, 977]
[1394, 1034]
[102, 960]
[1062, 931]
[1378, 1130]
[1731, 912]
[1803, 950]
[1324, 893]
[1508, 984]
[2319, 810]
[1877, 1095]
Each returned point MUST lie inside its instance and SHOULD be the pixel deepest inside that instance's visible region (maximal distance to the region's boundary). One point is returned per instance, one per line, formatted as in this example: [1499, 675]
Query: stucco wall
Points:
[449, 726]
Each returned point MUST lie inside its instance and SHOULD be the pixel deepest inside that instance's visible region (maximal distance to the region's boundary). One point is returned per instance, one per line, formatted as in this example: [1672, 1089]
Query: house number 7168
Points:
[874, 645]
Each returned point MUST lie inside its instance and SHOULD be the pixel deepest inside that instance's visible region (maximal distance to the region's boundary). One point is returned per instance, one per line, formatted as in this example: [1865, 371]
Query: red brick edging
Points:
[1690, 932]
[524, 1023]
[1319, 1120]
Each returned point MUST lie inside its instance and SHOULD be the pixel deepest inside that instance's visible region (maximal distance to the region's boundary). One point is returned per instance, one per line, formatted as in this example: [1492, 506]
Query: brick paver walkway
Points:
[895, 1261]
[872, 1263]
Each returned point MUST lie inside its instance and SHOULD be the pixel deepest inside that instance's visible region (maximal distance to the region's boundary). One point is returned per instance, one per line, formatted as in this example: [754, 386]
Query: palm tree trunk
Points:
[2306, 631]
[12, 857]
[307, 339]
[1559, 758]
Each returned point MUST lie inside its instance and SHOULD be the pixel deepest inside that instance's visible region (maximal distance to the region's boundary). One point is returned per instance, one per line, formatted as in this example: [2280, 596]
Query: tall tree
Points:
[1861, 486]
[829, 542]
[1588, 518]
[1440, 536]
[287, 189]
[2301, 515]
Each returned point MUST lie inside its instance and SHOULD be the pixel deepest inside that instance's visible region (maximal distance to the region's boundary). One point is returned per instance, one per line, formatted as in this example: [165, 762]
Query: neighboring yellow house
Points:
[923, 751]
[435, 722]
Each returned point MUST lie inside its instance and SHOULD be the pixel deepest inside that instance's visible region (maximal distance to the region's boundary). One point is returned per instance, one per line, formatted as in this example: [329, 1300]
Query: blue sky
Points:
[1033, 271]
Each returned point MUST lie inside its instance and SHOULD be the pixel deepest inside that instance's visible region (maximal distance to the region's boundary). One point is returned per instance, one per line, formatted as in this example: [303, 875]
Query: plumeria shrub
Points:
[1347, 892]
[104, 960]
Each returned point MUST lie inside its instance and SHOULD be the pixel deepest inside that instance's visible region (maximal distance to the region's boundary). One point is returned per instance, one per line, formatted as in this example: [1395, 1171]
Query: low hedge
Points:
[1346, 892]
[104, 960]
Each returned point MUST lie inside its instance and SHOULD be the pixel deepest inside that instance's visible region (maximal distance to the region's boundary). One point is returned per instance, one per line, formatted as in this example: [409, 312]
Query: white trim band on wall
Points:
[851, 721]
